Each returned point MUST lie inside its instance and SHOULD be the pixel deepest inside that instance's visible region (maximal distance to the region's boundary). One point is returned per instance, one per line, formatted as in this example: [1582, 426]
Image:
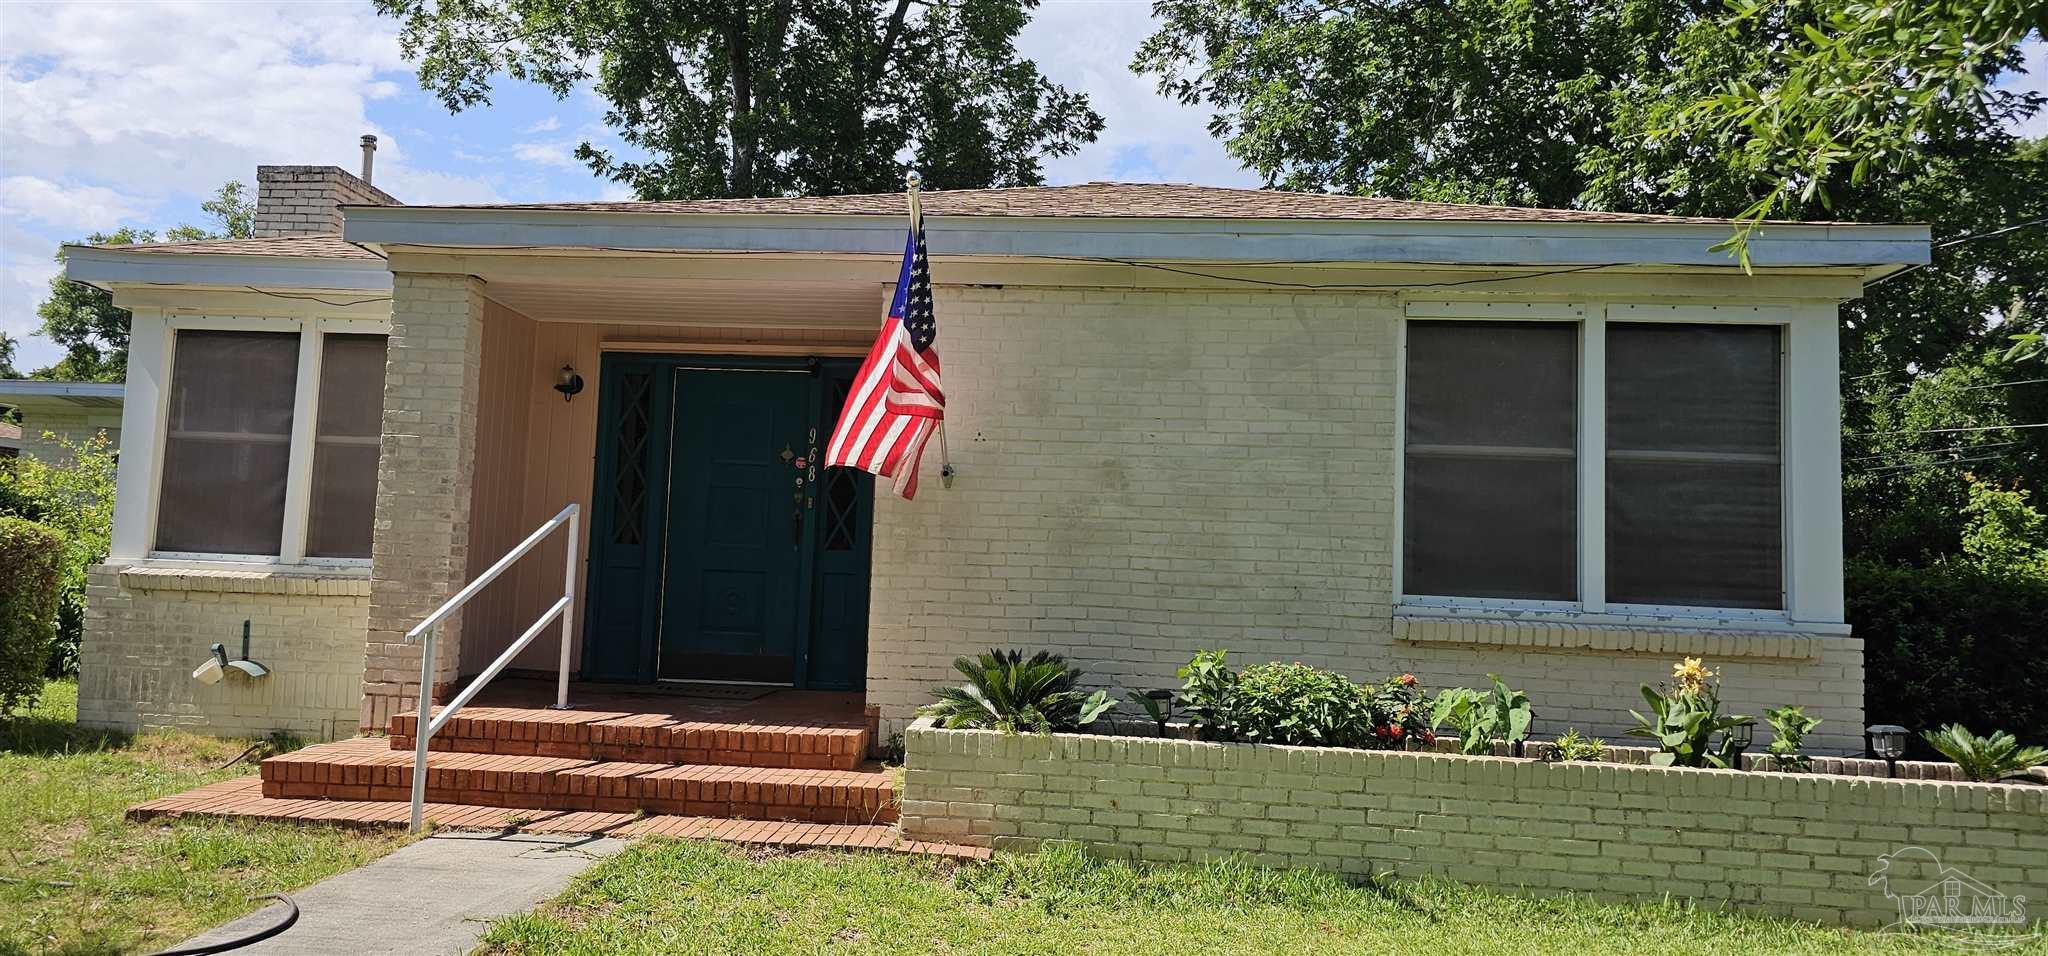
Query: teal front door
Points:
[721, 551]
[738, 523]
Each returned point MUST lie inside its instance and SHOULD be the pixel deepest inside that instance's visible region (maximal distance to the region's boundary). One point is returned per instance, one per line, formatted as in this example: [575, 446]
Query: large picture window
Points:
[258, 463]
[1490, 488]
[227, 445]
[1597, 466]
[1694, 499]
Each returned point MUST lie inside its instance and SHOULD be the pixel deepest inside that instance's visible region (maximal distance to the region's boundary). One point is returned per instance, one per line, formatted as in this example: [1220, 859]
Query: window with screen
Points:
[1694, 465]
[227, 444]
[345, 444]
[1490, 489]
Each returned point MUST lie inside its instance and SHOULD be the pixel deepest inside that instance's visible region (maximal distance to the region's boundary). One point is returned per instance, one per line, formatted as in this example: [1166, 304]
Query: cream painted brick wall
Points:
[1145, 474]
[145, 632]
[78, 429]
[1793, 845]
[420, 555]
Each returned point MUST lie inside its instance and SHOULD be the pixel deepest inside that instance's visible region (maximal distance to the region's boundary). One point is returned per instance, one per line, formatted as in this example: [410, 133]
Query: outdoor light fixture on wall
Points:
[568, 382]
[1888, 742]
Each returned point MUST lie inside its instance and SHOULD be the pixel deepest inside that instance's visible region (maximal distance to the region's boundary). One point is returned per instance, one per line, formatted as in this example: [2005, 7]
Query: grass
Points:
[76, 877]
[689, 897]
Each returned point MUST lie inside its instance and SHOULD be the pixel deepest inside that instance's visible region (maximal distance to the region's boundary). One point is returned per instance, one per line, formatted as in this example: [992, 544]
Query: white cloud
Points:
[114, 111]
[1087, 45]
[548, 125]
[27, 261]
[72, 207]
[559, 153]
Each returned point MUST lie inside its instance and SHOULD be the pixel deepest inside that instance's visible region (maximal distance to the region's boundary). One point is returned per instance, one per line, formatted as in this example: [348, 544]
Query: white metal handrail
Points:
[428, 721]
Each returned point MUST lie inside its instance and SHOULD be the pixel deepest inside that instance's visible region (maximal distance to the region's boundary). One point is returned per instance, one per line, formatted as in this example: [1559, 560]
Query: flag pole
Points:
[910, 184]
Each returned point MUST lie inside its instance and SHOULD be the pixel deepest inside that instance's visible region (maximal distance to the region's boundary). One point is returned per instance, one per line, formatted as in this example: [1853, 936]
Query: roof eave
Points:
[35, 395]
[1460, 242]
[106, 268]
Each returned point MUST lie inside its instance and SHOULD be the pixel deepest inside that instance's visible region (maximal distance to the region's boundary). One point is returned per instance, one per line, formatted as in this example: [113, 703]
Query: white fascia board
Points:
[11, 389]
[1194, 240]
[109, 267]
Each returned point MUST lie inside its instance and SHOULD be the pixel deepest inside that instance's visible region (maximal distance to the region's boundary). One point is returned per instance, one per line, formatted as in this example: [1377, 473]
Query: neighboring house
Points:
[1566, 447]
[73, 411]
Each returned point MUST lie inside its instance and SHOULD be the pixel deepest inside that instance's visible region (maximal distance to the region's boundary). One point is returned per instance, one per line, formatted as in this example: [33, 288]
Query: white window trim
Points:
[1811, 468]
[144, 423]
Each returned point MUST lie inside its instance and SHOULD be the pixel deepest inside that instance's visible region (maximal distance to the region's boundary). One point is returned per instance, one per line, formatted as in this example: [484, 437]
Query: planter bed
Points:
[1801, 845]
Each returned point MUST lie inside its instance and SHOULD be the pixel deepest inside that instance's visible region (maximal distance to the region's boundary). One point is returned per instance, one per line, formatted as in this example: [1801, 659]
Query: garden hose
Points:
[291, 916]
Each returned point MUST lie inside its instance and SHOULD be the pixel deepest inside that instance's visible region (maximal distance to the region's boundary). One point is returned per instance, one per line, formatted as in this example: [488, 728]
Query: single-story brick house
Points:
[77, 412]
[1567, 447]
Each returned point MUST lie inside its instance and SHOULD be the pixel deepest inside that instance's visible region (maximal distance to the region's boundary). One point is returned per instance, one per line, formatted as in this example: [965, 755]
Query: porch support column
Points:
[421, 553]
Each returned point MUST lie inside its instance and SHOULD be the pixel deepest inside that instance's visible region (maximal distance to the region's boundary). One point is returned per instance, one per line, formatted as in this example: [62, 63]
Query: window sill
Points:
[1627, 634]
[161, 574]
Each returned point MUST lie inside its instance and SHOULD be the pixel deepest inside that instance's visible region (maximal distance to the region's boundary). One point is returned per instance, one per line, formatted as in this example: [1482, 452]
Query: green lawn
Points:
[687, 897]
[76, 877]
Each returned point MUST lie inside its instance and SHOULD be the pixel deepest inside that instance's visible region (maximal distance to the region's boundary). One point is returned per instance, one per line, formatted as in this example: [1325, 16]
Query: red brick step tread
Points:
[366, 769]
[242, 798]
[643, 737]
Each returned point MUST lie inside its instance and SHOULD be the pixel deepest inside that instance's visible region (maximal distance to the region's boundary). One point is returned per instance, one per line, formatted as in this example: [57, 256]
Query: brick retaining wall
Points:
[1799, 845]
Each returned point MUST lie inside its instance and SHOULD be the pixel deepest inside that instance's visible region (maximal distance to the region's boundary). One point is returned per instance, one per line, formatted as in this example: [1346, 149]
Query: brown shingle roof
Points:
[1113, 201]
[311, 247]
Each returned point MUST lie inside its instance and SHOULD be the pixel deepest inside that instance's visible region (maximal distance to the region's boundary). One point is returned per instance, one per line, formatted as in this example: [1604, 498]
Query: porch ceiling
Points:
[680, 301]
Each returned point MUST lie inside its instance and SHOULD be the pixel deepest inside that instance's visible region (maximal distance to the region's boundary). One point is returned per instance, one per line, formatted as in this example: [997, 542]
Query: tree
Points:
[7, 346]
[1575, 104]
[771, 97]
[83, 319]
[1864, 86]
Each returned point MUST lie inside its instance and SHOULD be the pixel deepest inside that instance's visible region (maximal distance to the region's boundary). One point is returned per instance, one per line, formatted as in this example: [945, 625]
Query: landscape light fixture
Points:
[1740, 737]
[1888, 741]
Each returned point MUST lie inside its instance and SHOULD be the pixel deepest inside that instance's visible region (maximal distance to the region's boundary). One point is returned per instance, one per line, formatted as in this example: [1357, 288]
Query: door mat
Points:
[714, 691]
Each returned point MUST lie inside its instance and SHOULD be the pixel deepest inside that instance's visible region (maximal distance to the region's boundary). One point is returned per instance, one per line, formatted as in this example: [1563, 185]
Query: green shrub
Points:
[1575, 746]
[1006, 692]
[1956, 642]
[1789, 727]
[1301, 705]
[1208, 687]
[34, 558]
[1985, 759]
[74, 497]
[1483, 718]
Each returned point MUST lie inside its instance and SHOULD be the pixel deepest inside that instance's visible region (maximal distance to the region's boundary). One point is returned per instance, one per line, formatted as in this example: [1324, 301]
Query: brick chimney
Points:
[306, 200]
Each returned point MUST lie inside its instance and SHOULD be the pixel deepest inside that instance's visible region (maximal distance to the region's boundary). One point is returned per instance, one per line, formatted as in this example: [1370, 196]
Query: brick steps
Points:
[243, 799]
[641, 737]
[367, 769]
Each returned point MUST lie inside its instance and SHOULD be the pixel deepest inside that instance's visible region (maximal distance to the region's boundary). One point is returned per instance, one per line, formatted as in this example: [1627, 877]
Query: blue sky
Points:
[131, 113]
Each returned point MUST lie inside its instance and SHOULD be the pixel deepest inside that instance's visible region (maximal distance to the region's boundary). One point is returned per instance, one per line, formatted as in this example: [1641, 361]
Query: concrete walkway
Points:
[432, 898]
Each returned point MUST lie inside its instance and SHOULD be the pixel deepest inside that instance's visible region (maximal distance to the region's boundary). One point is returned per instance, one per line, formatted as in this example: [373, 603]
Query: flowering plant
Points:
[1399, 715]
[1684, 718]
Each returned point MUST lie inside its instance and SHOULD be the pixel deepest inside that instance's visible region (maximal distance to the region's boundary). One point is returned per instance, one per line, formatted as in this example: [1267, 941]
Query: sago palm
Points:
[1985, 759]
[1006, 692]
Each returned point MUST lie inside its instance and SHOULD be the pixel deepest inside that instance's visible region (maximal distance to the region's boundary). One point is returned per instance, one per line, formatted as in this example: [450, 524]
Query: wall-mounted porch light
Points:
[1888, 742]
[568, 382]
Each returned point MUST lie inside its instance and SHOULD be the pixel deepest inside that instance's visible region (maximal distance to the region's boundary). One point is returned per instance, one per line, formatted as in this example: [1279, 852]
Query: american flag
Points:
[895, 403]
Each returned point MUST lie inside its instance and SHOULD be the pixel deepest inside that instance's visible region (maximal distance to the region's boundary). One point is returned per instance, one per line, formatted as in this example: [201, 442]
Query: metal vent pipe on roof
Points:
[369, 155]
